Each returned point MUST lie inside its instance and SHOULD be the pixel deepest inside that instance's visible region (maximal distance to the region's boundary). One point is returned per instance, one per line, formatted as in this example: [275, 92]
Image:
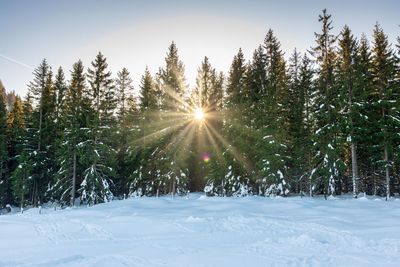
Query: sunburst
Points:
[191, 127]
[199, 114]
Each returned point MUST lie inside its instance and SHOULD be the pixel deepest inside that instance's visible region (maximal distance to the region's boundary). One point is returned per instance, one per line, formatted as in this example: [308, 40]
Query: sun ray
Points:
[182, 134]
[199, 114]
[213, 142]
[163, 131]
[234, 152]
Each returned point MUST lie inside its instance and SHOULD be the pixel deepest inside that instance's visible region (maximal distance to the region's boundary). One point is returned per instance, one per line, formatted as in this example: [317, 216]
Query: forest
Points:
[324, 122]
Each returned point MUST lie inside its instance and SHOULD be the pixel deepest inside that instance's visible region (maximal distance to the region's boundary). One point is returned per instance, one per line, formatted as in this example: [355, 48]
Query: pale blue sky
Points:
[134, 34]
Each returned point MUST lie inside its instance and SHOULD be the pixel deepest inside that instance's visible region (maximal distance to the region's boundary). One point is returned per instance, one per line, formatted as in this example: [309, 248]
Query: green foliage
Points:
[4, 185]
[327, 124]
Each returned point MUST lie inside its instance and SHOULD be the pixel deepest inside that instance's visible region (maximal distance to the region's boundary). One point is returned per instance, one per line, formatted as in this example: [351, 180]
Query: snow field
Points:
[203, 231]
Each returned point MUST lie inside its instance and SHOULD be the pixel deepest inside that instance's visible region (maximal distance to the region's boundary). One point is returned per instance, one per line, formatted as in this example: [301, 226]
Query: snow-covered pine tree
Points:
[383, 71]
[144, 177]
[236, 133]
[368, 148]
[126, 128]
[299, 138]
[350, 94]
[327, 140]
[69, 152]
[174, 89]
[307, 86]
[15, 131]
[272, 124]
[15, 125]
[206, 95]
[98, 154]
[22, 176]
[42, 91]
[213, 168]
[4, 184]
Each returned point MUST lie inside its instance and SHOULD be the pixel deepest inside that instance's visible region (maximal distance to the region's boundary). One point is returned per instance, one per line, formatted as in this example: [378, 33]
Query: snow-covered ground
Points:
[202, 231]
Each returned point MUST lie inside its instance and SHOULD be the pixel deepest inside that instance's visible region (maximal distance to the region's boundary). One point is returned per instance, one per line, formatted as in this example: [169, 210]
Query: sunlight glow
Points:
[199, 114]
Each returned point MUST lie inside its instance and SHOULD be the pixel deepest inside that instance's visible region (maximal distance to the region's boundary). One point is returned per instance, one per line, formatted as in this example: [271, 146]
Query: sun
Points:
[198, 114]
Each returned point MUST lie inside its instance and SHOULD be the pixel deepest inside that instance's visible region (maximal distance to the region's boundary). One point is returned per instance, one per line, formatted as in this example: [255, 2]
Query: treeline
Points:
[324, 122]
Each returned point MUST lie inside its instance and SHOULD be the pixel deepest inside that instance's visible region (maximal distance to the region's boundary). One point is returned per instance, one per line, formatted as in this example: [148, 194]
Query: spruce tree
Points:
[4, 184]
[98, 155]
[328, 164]
[174, 88]
[233, 178]
[42, 91]
[307, 87]
[173, 80]
[383, 71]
[126, 103]
[298, 90]
[236, 80]
[204, 97]
[69, 153]
[22, 176]
[350, 96]
[144, 179]
[2, 90]
[15, 132]
[272, 128]
[368, 149]
[60, 89]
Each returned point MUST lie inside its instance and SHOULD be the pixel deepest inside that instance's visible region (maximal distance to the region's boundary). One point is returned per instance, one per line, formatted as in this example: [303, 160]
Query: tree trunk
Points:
[386, 159]
[354, 168]
[23, 195]
[73, 181]
[173, 186]
[40, 127]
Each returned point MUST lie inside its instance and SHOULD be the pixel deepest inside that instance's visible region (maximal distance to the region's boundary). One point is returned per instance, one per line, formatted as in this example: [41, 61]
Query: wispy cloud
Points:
[16, 62]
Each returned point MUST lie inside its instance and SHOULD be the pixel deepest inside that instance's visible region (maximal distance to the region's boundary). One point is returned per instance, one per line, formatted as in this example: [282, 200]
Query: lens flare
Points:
[206, 157]
[199, 114]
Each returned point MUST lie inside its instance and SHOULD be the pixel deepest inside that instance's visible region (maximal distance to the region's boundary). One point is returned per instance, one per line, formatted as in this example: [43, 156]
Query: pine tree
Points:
[276, 103]
[69, 153]
[173, 80]
[367, 149]
[272, 127]
[126, 105]
[350, 94]
[257, 78]
[148, 96]
[204, 84]
[328, 164]
[4, 184]
[307, 86]
[144, 177]
[236, 80]
[2, 90]
[233, 178]
[22, 176]
[42, 91]
[299, 143]
[174, 89]
[203, 97]
[98, 155]
[383, 70]
[60, 89]
[15, 132]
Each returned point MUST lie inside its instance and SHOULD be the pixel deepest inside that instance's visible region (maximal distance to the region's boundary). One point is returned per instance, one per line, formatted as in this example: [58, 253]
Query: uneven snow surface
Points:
[202, 231]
